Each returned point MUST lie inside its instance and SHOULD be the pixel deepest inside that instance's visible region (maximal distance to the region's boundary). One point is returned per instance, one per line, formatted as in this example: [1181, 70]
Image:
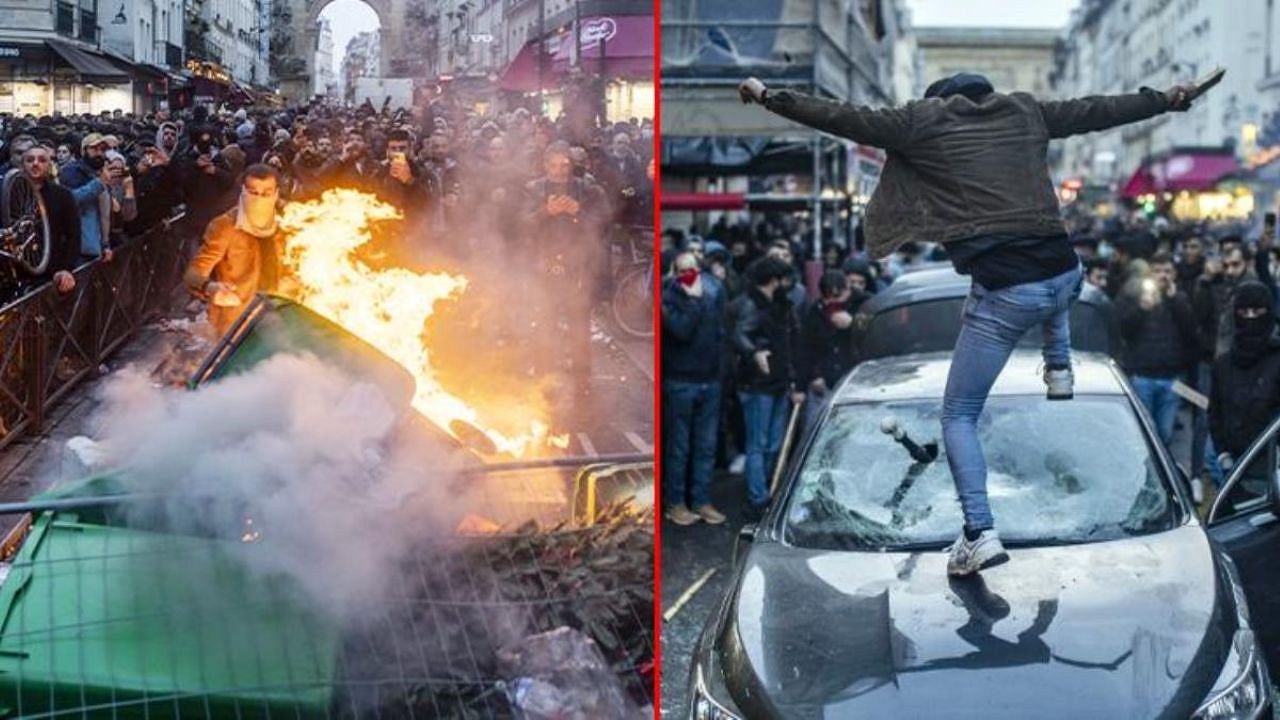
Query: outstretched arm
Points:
[1099, 112]
[888, 128]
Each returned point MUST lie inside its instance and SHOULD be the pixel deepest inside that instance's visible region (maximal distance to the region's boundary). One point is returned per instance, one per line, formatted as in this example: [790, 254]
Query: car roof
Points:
[938, 283]
[924, 375]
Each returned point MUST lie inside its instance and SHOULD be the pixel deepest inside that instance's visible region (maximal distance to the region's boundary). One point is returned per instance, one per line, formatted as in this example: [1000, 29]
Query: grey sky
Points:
[347, 18]
[992, 13]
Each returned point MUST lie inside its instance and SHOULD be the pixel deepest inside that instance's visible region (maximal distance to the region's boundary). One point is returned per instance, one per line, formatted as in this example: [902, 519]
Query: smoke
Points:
[310, 465]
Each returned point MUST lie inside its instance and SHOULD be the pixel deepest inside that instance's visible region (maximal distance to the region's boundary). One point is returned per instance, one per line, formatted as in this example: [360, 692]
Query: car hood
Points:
[1123, 629]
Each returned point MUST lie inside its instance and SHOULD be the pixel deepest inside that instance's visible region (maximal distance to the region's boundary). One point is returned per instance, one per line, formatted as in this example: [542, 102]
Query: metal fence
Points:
[50, 342]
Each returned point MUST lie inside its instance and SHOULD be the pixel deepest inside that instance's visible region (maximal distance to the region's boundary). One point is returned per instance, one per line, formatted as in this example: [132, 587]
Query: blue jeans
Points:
[765, 417]
[993, 323]
[1161, 401]
[691, 423]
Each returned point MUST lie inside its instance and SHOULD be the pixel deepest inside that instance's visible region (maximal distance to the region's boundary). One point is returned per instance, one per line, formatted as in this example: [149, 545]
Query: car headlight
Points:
[1243, 688]
[705, 705]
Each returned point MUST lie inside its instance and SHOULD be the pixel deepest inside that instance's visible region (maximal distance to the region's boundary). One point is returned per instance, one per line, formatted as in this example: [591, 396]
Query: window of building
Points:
[65, 22]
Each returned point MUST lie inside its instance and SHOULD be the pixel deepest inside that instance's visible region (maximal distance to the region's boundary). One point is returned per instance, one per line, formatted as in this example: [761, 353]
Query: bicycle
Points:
[631, 306]
[24, 225]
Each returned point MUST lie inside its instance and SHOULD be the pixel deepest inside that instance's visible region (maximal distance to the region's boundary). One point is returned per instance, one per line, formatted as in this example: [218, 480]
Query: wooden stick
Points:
[687, 594]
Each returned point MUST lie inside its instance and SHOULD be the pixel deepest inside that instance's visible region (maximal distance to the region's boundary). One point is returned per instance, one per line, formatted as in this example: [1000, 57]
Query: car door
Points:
[1245, 521]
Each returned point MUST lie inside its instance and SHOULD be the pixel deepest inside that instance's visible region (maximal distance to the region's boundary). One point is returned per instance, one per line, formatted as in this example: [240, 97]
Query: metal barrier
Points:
[50, 342]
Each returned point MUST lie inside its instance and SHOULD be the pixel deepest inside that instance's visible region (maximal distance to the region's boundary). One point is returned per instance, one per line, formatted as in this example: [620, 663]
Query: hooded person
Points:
[240, 253]
[967, 167]
[167, 138]
[1245, 394]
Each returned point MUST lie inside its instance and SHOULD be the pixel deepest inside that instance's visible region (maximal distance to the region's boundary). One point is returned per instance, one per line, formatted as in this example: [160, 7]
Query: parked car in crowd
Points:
[1118, 601]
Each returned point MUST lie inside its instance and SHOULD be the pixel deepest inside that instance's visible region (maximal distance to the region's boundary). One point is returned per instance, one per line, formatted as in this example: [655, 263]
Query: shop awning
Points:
[1194, 172]
[1179, 171]
[522, 74]
[1140, 183]
[614, 46]
[703, 201]
[90, 65]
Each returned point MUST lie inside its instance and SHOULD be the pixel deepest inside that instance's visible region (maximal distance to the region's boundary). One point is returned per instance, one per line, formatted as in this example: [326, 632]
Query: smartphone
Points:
[397, 157]
[1269, 222]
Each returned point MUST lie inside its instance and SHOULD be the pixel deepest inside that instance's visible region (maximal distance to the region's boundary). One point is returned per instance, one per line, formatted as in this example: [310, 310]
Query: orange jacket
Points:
[232, 256]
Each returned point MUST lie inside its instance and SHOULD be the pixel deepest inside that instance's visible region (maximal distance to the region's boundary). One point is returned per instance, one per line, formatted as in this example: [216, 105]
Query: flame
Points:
[387, 308]
[560, 441]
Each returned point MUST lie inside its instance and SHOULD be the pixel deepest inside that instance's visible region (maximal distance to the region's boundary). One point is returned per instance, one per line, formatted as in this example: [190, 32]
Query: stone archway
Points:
[402, 37]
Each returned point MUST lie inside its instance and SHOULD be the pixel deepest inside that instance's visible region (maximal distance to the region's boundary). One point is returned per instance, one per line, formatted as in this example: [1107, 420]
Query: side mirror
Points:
[746, 534]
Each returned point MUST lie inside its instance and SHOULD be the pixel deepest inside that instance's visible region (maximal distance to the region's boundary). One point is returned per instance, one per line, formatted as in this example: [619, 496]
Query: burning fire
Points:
[387, 308]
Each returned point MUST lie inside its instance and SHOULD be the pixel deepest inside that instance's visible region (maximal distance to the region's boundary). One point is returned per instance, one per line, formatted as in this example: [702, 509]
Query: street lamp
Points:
[119, 19]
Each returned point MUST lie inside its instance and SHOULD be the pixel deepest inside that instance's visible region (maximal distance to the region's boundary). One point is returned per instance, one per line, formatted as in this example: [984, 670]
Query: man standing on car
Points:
[967, 167]
[764, 337]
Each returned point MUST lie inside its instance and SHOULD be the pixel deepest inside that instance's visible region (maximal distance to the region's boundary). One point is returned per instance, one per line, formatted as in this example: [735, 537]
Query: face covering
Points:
[1252, 335]
[687, 277]
[256, 215]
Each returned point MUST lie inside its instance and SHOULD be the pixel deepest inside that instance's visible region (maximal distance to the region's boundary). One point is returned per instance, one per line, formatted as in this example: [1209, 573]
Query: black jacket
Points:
[64, 230]
[693, 332]
[958, 168]
[825, 351]
[763, 324]
[1243, 400]
[1160, 342]
[1213, 307]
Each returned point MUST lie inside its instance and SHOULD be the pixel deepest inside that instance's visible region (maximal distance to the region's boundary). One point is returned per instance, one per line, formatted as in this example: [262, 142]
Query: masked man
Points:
[240, 254]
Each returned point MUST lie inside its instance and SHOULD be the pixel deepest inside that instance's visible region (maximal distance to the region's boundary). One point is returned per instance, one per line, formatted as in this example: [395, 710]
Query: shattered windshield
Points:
[1064, 472]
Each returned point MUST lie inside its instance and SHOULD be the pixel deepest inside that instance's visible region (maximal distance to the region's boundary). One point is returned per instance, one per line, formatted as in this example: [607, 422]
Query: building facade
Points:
[77, 56]
[715, 149]
[325, 79]
[1119, 47]
[238, 31]
[362, 59]
[1014, 59]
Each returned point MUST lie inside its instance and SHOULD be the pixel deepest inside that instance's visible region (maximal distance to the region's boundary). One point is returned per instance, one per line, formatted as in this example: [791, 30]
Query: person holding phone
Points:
[967, 167]
[87, 179]
[205, 178]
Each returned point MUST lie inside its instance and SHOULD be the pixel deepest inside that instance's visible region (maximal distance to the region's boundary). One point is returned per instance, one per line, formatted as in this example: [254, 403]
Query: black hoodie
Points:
[1245, 394]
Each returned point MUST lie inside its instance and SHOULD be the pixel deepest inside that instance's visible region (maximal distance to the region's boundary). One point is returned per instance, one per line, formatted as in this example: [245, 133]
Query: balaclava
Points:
[1252, 335]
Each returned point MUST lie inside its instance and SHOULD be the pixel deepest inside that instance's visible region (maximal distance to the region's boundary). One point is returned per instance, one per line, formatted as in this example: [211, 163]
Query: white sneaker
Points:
[1060, 384]
[738, 465]
[1197, 490]
[970, 557]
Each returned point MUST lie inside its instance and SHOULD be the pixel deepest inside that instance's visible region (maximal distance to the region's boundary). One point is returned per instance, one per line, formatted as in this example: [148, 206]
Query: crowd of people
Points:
[511, 187]
[1192, 314]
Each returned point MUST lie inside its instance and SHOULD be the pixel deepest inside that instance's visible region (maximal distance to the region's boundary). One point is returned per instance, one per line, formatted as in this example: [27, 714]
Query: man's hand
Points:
[570, 206]
[1212, 267]
[818, 386]
[64, 281]
[797, 398]
[1180, 96]
[205, 163]
[762, 361]
[842, 320]
[1226, 461]
[400, 171]
[107, 254]
[158, 157]
[752, 91]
